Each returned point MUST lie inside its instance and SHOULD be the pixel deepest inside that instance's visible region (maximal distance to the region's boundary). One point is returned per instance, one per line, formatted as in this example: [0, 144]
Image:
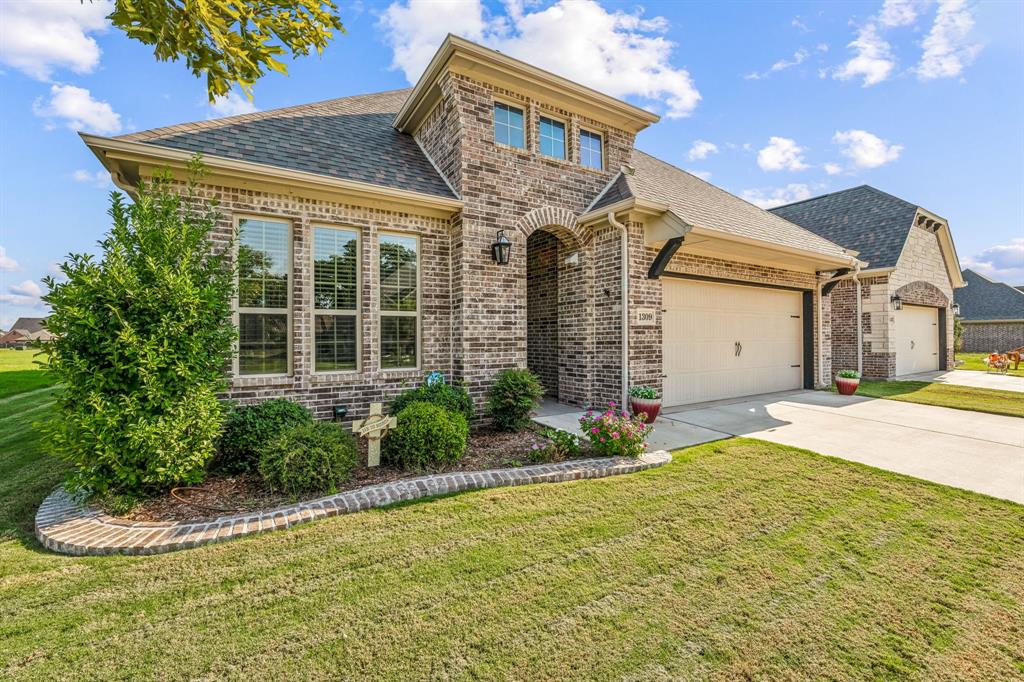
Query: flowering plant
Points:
[615, 434]
[557, 446]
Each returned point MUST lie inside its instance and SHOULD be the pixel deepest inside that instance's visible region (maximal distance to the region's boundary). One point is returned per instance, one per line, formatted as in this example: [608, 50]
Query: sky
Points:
[773, 101]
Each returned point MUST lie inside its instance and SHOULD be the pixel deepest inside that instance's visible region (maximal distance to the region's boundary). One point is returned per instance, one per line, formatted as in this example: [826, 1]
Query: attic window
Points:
[552, 138]
[591, 150]
[508, 125]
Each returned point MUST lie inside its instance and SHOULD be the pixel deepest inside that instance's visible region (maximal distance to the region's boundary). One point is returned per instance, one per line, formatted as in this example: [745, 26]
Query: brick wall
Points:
[320, 391]
[986, 337]
[542, 309]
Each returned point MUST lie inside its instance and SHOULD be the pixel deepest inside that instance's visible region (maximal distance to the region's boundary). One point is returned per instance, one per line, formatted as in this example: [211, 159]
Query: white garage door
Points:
[917, 339]
[723, 341]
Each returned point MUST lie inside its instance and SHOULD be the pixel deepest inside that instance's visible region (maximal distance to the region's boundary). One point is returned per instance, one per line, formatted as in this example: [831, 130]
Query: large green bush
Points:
[427, 437]
[310, 458]
[513, 396]
[249, 427]
[143, 336]
[452, 398]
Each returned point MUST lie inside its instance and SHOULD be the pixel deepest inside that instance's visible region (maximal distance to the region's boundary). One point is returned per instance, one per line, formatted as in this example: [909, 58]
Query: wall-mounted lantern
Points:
[956, 310]
[897, 302]
[501, 249]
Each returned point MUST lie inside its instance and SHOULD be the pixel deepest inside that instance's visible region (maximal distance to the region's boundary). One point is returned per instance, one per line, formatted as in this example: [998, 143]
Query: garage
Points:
[727, 340]
[917, 339]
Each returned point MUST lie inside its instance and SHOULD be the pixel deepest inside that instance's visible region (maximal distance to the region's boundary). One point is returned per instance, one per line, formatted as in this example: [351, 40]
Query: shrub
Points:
[249, 427]
[615, 434]
[313, 457]
[848, 374]
[643, 393]
[142, 338]
[513, 397]
[560, 446]
[427, 437]
[452, 398]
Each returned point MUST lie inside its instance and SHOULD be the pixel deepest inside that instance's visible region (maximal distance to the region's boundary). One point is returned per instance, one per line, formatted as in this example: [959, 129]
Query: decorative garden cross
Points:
[373, 428]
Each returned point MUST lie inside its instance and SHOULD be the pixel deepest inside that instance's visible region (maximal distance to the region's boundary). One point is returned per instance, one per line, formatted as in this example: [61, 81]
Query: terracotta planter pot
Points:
[847, 386]
[648, 408]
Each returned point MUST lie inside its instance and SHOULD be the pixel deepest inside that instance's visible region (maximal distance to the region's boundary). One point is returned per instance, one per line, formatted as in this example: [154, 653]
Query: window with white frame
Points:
[335, 299]
[591, 150]
[508, 125]
[552, 138]
[399, 302]
[264, 270]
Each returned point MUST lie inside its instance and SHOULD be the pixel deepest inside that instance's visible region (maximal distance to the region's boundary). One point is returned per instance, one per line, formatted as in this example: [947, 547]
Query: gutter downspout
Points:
[624, 255]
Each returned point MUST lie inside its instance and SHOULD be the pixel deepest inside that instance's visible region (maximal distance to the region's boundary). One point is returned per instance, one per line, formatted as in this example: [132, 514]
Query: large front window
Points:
[263, 271]
[399, 302]
[508, 125]
[335, 299]
[552, 138]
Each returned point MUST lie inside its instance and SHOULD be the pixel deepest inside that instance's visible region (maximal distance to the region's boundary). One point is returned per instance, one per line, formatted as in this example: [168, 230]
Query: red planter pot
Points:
[847, 386]
[648, 408]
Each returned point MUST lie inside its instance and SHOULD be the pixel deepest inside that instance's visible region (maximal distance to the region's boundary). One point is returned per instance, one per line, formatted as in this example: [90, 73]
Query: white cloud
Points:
[899, 12]
[781, 153]
[1002, 262]
[701, 149]
[26, 293]
[866, 150]
[79, 110]
[618, 53]
[232, 105]
[799, 57]
[7, 264]
[703, 175]
[833, 168]
[770, 198]
[100, 178]
[39, 36]
[800, 25]
[947, 48]
[873, 60]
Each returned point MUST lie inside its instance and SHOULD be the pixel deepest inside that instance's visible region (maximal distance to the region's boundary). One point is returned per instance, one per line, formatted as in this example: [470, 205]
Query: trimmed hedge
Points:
[427, 437]
[452, 398]
[309, 458]
[249, 427]
[513, 397]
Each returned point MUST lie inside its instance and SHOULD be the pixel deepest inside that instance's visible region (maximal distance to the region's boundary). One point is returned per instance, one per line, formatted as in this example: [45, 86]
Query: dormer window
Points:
[552, 138]
[591, 150]
[508, 125]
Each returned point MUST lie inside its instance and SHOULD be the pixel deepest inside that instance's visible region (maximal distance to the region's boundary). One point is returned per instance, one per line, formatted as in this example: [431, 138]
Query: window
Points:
[335, 299]
[399, 302]
[552, 138]
[508, 125]
[590, 150]
[263, 272]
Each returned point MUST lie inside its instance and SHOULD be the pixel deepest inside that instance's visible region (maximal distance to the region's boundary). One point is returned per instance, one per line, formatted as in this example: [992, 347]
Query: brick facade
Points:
[988, 337]
[542, 309]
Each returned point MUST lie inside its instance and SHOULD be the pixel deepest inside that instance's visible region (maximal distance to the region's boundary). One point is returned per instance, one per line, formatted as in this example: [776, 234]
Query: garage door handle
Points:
[738, 349]
[911, 345]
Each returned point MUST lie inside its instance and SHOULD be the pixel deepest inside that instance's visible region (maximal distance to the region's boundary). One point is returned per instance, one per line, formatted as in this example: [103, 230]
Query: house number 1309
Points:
[645, 317]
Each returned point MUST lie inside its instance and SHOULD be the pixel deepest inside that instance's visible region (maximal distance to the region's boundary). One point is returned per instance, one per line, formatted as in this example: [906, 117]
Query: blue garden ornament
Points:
[434, 378]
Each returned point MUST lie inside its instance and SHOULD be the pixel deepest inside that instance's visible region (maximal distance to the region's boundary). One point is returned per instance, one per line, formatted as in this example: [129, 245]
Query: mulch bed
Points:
[221, 495]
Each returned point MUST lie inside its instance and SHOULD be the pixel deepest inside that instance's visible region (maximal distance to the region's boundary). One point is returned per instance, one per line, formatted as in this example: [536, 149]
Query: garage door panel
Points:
[917, 339]
[702, 323]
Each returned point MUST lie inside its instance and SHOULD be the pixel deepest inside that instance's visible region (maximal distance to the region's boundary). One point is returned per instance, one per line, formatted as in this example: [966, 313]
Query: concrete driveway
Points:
[970, 450]
[969, 377]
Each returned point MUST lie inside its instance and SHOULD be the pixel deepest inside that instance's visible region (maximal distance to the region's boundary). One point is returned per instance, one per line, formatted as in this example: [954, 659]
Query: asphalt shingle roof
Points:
[349, 138]
[983, 299]
[29, 324]
[701, 204]
[865, 219]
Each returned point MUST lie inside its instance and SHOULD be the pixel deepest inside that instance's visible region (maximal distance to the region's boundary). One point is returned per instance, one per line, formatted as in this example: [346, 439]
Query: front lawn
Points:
[1009, 403]
[975, 361]
[741, 558]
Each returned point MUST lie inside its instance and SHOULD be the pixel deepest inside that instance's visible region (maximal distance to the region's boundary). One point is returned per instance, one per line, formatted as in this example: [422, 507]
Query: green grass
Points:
[741, 558]
[975, 361]
[1009, 403]
[19, 373]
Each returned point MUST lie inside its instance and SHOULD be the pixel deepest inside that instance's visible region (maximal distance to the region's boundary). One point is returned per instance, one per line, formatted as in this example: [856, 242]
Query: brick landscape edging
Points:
[67, 525]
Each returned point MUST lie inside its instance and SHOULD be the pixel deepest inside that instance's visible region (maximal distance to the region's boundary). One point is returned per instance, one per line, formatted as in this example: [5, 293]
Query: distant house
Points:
[24, 331]
[992, 314]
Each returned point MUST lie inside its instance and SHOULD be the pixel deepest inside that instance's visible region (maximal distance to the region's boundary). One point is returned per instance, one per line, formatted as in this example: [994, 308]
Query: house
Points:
[992, 314]
[492, 216]
[906, 290]
[25, 330]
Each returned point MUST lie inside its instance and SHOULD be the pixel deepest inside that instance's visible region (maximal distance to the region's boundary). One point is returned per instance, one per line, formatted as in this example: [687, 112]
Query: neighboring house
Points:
[24, 331]
[992, 314]
[906, 291]
[370, 226]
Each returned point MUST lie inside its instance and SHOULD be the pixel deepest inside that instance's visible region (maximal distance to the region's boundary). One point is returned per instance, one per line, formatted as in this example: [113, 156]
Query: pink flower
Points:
[615, 435]
[594, 430]
[611, 404]
[602, 440]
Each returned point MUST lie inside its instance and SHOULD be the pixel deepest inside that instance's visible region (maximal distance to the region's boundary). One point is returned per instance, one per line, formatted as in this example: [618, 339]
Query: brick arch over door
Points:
[561, 222]
[922, 293]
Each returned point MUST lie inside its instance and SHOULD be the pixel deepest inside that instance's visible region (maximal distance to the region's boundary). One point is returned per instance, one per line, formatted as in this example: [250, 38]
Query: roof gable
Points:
[983, 299]
[865, 219]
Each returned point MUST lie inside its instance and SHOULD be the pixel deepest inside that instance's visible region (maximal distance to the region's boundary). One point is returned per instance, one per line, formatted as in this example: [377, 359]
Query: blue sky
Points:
[772, 101]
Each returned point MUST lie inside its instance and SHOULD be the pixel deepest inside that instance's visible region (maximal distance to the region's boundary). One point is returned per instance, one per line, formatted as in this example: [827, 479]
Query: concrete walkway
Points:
[970, 450]
[969, 377]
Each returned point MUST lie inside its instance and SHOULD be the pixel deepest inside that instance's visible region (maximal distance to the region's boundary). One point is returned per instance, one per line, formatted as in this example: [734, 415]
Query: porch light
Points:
[501, 249]
[897, 302]
[956, 310]
[340, 412]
